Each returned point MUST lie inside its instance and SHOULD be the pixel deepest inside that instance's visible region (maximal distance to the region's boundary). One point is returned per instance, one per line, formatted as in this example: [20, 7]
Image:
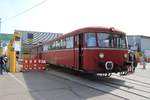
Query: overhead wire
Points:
[25, 11]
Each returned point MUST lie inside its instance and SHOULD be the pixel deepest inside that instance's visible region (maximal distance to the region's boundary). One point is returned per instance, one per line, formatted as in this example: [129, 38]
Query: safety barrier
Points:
[33, 64]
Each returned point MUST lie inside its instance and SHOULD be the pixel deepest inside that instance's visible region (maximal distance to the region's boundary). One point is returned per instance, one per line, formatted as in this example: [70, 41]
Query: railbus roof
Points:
[87, 29]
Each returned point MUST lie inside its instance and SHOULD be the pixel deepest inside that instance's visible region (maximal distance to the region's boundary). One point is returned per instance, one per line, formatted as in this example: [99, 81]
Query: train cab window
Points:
[104, 40]
[109, 40]
[121, 41]
[90, 39]
[69, 42]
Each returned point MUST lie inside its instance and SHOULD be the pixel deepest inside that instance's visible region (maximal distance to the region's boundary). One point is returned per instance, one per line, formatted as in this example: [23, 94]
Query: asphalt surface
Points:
[52, 85]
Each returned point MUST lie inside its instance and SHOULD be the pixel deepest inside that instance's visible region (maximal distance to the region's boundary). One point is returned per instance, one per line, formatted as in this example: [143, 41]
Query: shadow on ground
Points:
[46, 86]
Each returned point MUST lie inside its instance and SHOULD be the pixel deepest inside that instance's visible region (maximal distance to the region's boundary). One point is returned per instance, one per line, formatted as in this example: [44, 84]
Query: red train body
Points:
[91, 49]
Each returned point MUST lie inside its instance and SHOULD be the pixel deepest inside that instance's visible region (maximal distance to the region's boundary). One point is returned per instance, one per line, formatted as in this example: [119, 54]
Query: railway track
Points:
[130, 85]
[122, 91]
[142, 82]
[130, 89]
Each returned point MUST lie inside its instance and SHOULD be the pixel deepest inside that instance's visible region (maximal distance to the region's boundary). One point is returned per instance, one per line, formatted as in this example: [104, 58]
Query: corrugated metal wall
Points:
[145, 43]
[41, 37]
[142, 41]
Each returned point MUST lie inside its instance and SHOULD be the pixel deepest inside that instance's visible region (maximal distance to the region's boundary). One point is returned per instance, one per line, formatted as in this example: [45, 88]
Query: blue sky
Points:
[10, 8]
[130, 16]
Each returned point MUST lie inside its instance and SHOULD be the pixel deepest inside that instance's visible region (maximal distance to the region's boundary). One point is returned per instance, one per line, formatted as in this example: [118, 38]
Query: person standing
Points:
[1, 65]
[144, 62]
[132, 60]
[5, 60]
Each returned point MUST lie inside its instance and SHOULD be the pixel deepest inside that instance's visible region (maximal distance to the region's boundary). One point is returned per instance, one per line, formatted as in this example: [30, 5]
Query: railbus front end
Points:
[105, 52]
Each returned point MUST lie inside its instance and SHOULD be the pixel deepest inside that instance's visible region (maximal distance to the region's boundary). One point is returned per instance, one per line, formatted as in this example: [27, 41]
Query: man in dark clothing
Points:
[1, 65]
[5, 60]
[133, 61]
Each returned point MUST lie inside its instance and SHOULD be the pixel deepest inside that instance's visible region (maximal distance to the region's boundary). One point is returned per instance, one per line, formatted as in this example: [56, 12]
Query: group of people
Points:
[3, 64]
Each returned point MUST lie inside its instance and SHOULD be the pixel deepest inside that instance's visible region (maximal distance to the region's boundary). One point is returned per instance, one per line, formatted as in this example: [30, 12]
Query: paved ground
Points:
[46, 86]
[42, 86]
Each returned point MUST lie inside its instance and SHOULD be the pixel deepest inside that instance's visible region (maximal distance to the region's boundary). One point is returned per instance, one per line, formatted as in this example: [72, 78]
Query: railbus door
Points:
[78, 57]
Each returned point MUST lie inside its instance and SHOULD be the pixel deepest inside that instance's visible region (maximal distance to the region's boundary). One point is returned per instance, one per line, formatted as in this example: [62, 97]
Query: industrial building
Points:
[139, 43]
[25, 40]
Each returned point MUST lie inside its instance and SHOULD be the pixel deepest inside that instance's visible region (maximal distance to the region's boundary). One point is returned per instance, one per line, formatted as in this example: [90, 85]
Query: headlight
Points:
[125, 55]
[101, 55]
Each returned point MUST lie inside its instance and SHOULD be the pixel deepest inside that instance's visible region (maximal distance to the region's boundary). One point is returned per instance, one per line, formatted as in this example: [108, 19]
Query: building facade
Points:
[27, 39]
[139, 43]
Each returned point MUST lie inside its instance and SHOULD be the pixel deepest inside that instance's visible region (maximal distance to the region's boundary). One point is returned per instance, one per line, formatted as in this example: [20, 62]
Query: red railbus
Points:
[95, 50]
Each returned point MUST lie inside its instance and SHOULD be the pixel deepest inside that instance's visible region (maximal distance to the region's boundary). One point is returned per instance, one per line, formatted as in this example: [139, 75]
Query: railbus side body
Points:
[91, 49]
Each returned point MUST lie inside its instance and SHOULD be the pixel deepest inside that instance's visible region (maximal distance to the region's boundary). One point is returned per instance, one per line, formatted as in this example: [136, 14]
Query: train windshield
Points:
[108, 40]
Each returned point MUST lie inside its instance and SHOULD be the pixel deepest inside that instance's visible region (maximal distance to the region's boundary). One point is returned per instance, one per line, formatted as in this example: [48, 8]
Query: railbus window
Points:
[76, 41]
[57, 44]
[45, 47]
[90, 39]
[69, 42]
[110, 40]
[53, 45]
[63, 43]
[122, 42]
[50, 47]
[41, 48]
[104, 40]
